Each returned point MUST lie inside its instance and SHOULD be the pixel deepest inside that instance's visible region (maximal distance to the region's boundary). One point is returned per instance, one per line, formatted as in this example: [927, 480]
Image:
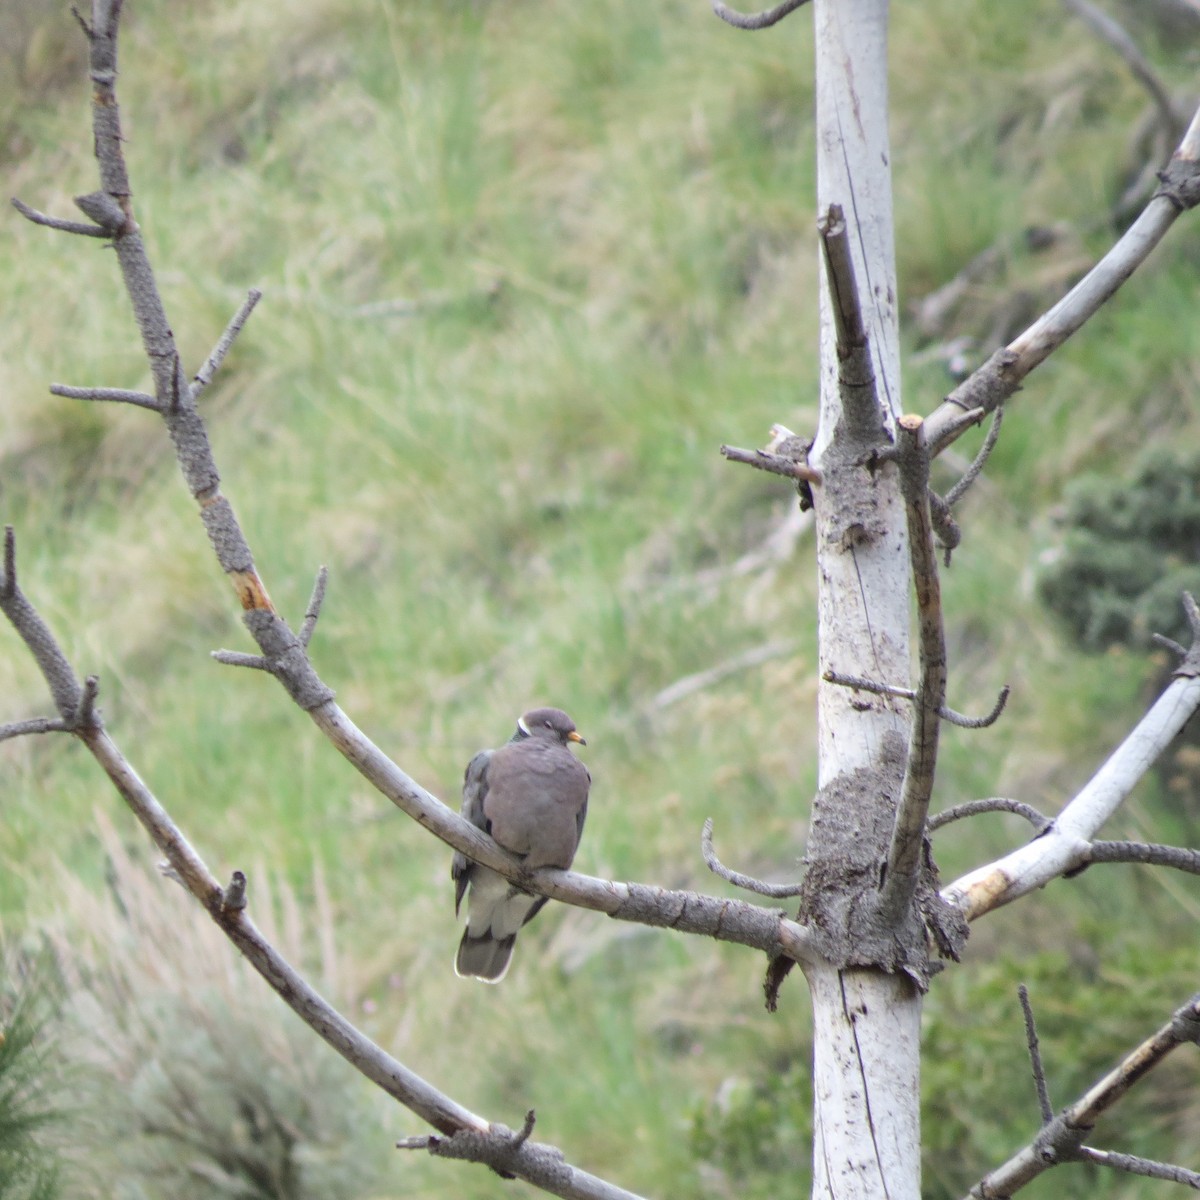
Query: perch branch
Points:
[905, 855]
[282, 652]
[1061, 1138]
[972, 808]
[542, 1165]
[758, 20]
[1001, 376]
[1066, 844]
[777, 891]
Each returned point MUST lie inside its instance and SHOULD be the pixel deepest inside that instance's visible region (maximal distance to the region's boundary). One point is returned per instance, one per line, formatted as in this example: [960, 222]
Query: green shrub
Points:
[1127, 552]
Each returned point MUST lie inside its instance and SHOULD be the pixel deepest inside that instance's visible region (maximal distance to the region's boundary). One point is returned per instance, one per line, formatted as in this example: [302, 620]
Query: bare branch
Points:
[41, 218]
[113, 395]
[904, 857]
[1001, 376]
[1189, 664]
[1061, 1139]
[964, 722]
[34, 725]
[857, 683]
[960, 489]
[1161, 639]
[776, 464]
[212, 364]
[35, 633]
[1130, 1164]
[1066, 845]
[972, 808]
[1035, 1055]
[856, 373]
[777, 891]
[1147, 853]
[313, 611]
[759, 20]
[284, 655]
[235, 658]
[227, 907]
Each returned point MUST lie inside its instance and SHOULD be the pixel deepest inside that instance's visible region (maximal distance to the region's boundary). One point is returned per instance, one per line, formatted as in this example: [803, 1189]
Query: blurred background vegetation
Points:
[526, 266]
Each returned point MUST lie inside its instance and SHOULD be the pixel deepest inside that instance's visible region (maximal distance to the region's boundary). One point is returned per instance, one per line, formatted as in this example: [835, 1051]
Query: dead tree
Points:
[874, 924]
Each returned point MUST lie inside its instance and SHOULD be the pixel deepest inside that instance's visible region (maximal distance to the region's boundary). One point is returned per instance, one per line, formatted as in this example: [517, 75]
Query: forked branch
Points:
[1061, 1137]
[1068, 844]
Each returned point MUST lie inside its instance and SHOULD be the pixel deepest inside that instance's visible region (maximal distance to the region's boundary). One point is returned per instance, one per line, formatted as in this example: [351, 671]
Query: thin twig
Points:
[113, 395]
[1035, 1056]
[777, 891]
[960, 489]
[1131, 1164]
[1161, 639]
[859, 684]
[41, 218]
[236, 658]
[973, 808]
[964, 722]
[212, 364]
[1147, 853]
[759, 20]
[313, 611]
[35, 633]
[990, 804]
[34, 725]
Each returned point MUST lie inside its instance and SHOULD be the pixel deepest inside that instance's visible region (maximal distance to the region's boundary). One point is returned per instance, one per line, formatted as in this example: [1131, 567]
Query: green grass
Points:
[525, 268]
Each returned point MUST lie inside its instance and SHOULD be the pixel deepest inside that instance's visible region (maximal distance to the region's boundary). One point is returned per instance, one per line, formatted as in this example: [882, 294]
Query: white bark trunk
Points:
[866, 1056]
[866, 1022]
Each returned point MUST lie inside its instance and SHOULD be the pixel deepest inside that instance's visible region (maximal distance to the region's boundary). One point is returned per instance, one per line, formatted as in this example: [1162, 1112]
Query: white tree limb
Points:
[1064, 845]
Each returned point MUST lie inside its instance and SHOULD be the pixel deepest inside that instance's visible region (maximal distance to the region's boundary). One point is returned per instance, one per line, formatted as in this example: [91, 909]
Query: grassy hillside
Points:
[525, 267]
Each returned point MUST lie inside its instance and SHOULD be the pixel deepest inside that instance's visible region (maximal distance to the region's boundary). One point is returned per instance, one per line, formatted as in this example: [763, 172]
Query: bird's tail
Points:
[483, 957]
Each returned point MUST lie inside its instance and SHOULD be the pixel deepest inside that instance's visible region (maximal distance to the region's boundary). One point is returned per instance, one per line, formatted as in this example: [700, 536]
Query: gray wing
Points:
[475, 788]
[579, 820]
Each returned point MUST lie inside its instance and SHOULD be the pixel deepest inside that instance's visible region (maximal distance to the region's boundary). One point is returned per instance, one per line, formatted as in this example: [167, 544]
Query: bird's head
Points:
[549, 724]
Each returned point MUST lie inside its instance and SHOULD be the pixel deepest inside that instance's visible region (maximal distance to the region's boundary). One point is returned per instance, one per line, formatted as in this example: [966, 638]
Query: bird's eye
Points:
[548, 724]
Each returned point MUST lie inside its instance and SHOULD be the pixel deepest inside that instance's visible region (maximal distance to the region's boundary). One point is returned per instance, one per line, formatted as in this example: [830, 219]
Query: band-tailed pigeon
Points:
[531, 795]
